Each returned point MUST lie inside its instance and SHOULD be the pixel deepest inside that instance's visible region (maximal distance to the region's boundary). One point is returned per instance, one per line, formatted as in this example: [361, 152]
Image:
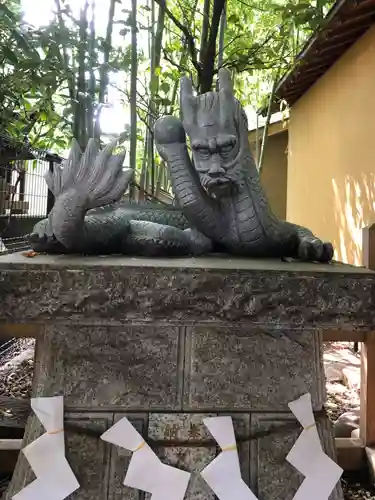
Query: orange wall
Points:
[274, 172]
[331, 154]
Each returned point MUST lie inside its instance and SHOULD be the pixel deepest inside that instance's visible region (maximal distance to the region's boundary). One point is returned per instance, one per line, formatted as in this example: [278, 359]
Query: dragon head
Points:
[216, 125]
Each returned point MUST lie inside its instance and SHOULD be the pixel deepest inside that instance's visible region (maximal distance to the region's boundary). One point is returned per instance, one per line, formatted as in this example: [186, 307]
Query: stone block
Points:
[132, 367]
[271, 475]
[182, 427]
[252, 370]
[255, 292]
[88, 456]
[120, 459]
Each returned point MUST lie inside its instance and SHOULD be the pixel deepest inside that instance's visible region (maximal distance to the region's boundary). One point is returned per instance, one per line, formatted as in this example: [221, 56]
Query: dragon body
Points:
[222, 206]
[107, 230]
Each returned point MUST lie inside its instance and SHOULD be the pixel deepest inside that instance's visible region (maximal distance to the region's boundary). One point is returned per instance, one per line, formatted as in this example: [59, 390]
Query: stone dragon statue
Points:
[222, 207]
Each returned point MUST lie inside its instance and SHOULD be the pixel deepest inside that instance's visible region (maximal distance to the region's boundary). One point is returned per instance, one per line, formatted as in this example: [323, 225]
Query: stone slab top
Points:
[186, 291]
[78, 262]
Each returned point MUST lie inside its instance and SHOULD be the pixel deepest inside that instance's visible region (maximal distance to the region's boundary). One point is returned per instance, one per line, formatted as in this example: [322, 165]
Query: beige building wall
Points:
[275, 171]
[331, 164]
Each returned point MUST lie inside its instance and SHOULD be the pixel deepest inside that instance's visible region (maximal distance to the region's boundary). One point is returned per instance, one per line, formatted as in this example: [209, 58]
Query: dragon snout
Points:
[216, 171]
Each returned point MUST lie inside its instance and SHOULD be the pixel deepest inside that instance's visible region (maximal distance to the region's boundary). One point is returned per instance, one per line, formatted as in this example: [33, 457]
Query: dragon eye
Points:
[202, 152]
[226, 148]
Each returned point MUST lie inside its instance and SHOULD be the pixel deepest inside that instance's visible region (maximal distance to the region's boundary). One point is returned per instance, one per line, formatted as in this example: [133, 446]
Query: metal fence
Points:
[24, 197]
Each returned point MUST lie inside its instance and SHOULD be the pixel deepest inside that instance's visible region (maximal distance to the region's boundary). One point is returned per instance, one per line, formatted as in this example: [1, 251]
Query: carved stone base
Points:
[167, 346]
[181, 375]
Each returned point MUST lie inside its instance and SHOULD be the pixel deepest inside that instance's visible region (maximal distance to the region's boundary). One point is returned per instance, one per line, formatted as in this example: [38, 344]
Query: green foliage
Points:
[54, 81]
[30, 74]
[262, 37]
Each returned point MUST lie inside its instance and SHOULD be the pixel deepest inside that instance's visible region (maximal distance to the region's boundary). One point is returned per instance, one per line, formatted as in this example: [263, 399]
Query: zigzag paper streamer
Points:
[146, 472]
[307, 456]
[46, 455]
[223, 474]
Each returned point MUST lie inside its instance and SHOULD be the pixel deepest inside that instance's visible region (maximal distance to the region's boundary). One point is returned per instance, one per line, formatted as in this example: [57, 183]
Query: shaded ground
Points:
[357, 486]
[341, 367]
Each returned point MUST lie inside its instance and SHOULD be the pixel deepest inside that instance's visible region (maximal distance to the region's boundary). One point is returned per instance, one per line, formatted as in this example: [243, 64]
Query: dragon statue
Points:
[221, 204]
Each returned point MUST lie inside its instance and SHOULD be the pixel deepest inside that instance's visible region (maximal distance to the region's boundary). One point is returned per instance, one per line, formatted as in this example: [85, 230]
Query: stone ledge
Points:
[269, 294]
[17, 261]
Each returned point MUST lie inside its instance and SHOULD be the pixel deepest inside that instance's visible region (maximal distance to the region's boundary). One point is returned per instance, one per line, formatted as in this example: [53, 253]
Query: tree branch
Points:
[252, 51]
[183, 69]
[189, 37]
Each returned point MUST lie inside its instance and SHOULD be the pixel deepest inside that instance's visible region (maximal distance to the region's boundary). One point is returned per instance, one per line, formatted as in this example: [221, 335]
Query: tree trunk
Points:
[205, 28]
[144, 177]
[156, 56]
[67, 66]
[133, 90]
[106, 53]
[82, 87]
[148, 164]
[208, 64]
[269, 110]
[92, 81]
[223, 23]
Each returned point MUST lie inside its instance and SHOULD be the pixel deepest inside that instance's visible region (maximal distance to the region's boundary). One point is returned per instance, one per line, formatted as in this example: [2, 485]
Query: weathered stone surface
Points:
[271, 476]
[185, 427]
[134, 367]
[241, 423]
[267, 293]
[120, 459]
[87, 455]
[228, 368]
[168, 341]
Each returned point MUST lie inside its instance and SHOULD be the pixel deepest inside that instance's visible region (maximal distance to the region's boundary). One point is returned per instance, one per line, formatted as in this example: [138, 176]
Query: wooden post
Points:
[367, 414]
[26, 330]
[368, 352]
[368, 247]
[367, 420]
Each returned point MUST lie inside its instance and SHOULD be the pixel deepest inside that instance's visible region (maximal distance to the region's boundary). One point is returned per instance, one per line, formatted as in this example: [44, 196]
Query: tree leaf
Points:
[10, 55]
[165, 87]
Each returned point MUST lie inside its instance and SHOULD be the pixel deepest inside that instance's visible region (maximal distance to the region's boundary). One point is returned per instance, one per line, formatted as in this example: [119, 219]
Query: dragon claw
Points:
[315, 250]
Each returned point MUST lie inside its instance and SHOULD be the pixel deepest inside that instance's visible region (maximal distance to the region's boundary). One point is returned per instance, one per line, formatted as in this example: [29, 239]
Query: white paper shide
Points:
[223, 474]
[307, 456]
[55, 479]
[146, 472]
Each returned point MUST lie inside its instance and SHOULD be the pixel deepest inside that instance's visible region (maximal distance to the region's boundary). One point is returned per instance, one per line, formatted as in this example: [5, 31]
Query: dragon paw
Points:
[199, 244]
[42, 238]
[312, 249]
[97, 176]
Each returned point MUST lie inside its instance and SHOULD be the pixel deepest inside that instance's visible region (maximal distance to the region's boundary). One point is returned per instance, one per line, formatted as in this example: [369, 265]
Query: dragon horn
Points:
[187, 100]
[225, 81]
[226, 98]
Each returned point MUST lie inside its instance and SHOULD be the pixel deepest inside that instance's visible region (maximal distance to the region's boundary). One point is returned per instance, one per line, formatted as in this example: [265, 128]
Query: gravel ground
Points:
[4, 481]
[356, 487]
[16, 370]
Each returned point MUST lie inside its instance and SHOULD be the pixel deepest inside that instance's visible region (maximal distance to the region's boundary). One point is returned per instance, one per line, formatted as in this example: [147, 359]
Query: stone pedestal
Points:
[168, 342]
